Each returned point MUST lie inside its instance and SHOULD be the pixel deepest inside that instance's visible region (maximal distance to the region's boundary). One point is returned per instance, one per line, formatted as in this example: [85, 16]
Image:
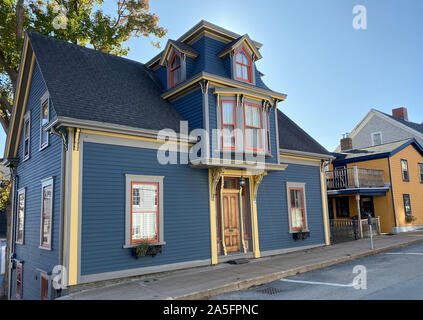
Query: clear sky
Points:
[333, 74]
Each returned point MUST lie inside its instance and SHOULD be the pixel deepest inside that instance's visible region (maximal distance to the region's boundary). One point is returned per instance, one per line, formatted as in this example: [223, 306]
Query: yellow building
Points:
[384, 181]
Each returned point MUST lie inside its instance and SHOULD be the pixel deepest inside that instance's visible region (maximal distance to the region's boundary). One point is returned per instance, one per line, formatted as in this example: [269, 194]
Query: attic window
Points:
[243, 65]
[175, 71]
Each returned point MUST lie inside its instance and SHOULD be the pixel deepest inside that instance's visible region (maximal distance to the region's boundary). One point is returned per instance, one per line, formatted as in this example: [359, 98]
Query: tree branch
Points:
[19, 20]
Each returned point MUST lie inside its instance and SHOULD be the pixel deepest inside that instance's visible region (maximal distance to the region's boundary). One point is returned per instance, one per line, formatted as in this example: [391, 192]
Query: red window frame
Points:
[171, 71]
[44, 288]
[43, 105]
[228, 124]
[248, 126]
[302, 208]
[19, 280]
[156, 239]
[244, 65]
[27, 132]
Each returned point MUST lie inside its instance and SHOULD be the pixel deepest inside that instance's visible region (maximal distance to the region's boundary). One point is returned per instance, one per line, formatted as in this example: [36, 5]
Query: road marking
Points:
[319, 283]
[410, 253]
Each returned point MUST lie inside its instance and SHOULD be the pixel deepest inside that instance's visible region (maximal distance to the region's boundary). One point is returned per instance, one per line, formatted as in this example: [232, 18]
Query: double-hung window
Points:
[407, 204]
[297, 207]
[45, 118]
[253, 127]
[376, 138]
[144, 210]
[228, 124]
[175, 71]
[20, 221]
[243, 65]
[46, 213]
[421, 172]
[27, 136]
[404, 169]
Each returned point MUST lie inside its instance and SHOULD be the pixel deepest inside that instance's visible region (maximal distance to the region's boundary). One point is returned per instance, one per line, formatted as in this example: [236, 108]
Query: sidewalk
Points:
[202, 283]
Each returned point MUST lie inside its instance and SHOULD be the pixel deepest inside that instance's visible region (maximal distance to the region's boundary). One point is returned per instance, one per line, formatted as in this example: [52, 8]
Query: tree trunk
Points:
[4, 286]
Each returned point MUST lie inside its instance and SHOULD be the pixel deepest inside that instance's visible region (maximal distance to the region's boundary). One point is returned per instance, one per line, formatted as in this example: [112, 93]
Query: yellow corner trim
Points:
[324, 205]
[213, 223]
[24, 105]
[74, 218]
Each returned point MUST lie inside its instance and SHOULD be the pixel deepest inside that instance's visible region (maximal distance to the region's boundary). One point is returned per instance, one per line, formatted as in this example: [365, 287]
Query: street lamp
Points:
[242, 182]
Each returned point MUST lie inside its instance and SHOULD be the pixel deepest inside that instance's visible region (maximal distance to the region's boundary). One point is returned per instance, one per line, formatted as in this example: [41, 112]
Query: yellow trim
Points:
[247, 45]
[213, 80]
[202, 33]
[325, 206]
[252, 96]
[254, 224]
[17, 95]
[126, 136]
[74, 212]
[213, 222]
[300, 158]
[24, 105]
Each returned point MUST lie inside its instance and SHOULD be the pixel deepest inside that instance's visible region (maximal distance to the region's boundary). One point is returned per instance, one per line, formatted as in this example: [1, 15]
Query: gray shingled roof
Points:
[374, 150]
[416, 126]
[87, 84]
[292, 137]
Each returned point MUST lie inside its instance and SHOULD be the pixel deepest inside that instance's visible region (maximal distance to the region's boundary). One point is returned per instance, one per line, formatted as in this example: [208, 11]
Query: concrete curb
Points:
[256, 281]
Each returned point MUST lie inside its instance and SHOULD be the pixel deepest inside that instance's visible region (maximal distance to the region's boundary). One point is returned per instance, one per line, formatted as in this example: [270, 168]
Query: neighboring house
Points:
[384, 181]
[379, 128]
[84, 139]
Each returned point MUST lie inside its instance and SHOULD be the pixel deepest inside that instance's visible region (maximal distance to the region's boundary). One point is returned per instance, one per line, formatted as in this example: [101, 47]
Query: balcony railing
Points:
[345, 178]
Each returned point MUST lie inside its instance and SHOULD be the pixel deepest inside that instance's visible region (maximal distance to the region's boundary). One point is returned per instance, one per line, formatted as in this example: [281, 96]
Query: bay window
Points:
[253, 127]
[46, 212]
[228, 124]
[144, 210]
[297, 207]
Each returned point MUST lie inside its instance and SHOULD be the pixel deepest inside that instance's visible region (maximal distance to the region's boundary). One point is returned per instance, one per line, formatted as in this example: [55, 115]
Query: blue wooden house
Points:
[92, 193]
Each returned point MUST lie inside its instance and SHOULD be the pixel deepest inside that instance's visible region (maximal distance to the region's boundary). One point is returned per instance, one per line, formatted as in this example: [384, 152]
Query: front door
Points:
[230, 204]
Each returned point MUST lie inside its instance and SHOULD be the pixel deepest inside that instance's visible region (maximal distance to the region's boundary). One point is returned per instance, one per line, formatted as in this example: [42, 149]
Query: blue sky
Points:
[333, 74]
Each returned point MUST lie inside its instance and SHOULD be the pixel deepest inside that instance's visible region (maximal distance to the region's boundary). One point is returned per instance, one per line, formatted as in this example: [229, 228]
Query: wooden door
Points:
[230, 204]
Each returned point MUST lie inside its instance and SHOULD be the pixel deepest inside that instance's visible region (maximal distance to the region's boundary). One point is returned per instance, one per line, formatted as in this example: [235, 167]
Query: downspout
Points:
[12, 229]
[392, 192]
[62, 193]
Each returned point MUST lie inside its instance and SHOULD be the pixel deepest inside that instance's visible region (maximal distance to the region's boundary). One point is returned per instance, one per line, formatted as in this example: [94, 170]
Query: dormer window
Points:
[243, 66]
[175, 71]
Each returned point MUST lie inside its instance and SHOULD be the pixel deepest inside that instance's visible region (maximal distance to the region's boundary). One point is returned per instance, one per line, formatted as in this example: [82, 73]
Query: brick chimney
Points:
[400, 113]
[346, 143]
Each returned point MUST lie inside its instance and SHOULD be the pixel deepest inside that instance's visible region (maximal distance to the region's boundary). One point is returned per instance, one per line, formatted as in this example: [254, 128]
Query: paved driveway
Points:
[397, 274]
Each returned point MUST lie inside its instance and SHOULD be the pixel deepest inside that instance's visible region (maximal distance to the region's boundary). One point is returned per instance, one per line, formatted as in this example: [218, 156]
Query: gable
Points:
[375, 121]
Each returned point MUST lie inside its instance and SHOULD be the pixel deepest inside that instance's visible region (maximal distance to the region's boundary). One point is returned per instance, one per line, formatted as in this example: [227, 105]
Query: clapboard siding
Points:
[272, 208]
[41, 164]
[190, 106]
[186, 209]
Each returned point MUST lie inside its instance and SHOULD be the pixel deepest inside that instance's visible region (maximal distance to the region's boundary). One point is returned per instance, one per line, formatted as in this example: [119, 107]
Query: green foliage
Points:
[86, 25]
[4, 193]
[141, 250]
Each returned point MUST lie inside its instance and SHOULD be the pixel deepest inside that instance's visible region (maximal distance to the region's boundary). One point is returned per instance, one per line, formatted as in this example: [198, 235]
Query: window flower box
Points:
[302, 235]
[146, 249]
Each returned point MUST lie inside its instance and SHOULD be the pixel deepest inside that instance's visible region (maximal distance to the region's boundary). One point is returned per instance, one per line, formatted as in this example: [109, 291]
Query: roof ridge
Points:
[92, 50]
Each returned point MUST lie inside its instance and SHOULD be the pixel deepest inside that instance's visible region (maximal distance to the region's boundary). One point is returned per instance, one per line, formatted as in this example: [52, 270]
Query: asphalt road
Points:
[397, 274]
